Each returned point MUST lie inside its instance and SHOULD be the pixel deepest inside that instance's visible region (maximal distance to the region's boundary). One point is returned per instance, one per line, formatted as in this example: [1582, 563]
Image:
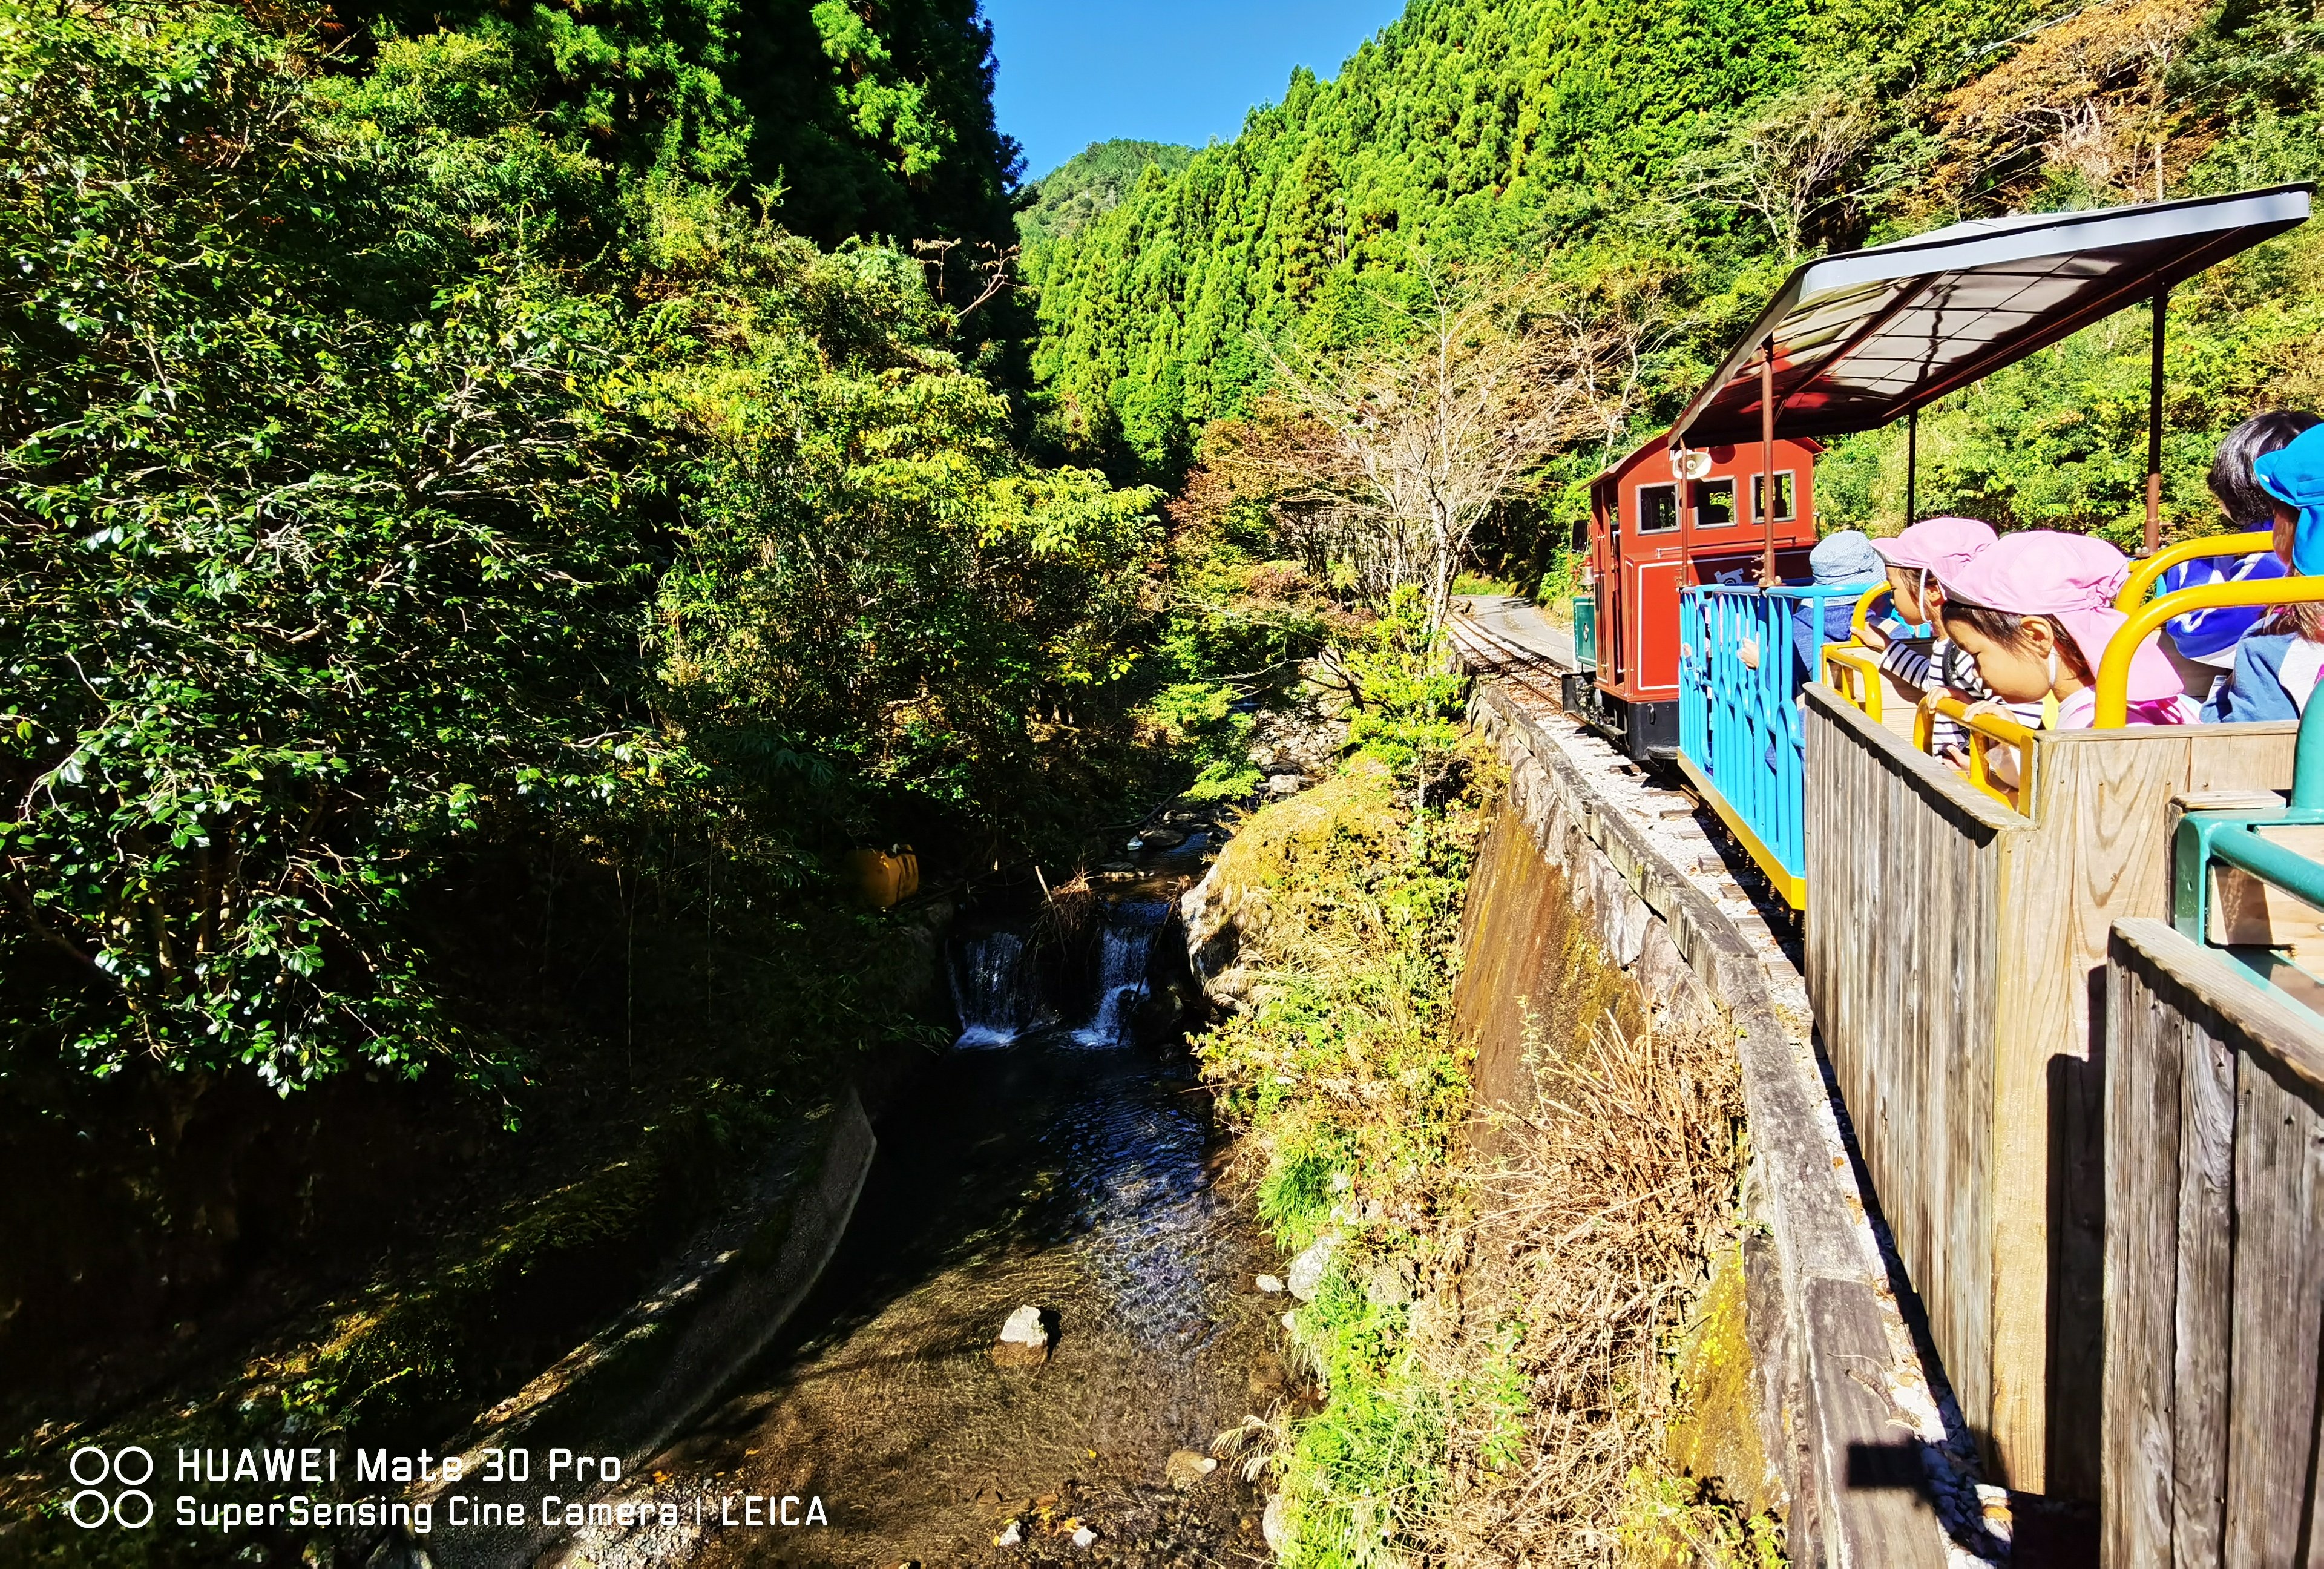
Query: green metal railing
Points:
[2233, 839]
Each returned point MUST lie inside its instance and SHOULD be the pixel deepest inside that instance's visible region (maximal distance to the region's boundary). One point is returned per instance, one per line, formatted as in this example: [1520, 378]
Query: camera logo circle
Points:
[129, 1469]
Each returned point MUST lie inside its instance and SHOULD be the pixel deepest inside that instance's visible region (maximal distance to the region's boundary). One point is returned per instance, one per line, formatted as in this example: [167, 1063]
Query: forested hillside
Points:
[1659, 168]
[492, 521]
[1091, 184]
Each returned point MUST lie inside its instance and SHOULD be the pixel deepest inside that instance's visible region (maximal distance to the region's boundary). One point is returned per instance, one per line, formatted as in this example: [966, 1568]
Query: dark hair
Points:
[2247, 501]
[2001, 627]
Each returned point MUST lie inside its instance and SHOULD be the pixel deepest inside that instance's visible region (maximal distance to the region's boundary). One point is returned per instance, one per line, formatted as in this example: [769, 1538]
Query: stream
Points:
[1052, 1160]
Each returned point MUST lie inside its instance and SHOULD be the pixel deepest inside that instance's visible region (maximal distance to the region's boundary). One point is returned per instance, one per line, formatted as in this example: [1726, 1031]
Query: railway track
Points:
[1486, 652]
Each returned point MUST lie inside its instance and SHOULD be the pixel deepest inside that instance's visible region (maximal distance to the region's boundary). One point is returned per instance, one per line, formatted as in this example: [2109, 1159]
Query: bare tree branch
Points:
[1379, 465]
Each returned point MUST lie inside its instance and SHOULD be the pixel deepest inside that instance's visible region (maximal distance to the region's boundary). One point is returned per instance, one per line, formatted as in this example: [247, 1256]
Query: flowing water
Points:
[1126, 954]
[1067, 1167]
[996, 989]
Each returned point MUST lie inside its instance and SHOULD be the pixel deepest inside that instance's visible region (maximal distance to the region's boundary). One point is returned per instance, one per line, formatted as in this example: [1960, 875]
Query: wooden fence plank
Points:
[2279, 1303]
[2144, 1043]
[2203, 1297]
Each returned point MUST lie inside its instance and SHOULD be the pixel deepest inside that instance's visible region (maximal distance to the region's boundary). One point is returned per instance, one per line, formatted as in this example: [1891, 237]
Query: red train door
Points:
[1655, 586]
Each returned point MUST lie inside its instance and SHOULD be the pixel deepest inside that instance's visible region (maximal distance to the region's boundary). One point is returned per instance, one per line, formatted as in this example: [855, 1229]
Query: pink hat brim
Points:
[2152, 678]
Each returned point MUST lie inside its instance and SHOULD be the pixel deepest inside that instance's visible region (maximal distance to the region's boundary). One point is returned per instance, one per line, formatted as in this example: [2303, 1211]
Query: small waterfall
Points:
[995, 991]
[1129, 945]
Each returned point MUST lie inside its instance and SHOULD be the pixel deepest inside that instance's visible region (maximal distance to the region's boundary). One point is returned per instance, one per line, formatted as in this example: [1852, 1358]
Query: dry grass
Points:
[1587, 1254]
[1072, 913]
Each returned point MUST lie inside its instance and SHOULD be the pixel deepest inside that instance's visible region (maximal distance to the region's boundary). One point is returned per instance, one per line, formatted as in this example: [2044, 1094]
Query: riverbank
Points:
[549, 1282]
[1492, 1267]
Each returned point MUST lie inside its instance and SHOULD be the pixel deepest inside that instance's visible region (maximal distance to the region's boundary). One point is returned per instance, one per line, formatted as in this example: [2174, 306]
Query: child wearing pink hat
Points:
[1918, 560]
[2035, 611]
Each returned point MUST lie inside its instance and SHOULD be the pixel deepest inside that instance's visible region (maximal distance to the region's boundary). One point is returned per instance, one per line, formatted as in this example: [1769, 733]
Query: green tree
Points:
[387, 476]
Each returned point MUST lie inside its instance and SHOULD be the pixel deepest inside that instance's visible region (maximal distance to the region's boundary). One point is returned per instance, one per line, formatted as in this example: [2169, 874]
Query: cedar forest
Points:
[500, 498]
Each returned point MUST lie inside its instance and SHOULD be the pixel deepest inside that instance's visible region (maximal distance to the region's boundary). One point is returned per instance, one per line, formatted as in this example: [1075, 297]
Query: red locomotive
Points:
[1654, 532]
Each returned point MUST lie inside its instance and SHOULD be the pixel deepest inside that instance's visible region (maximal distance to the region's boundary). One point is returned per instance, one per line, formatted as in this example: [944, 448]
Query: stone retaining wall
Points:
[1841, 1438]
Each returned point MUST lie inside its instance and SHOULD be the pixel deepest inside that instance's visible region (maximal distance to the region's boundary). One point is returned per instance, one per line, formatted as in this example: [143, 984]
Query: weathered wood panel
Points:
[2214, 1260]
[2278, 1288]
[1904, 875]
[2103, 848]
[2198, 1317]
[1956, 953]
[2146, 1050]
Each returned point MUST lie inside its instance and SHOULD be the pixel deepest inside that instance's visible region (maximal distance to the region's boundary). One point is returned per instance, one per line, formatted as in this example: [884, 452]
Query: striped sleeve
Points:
[1906, 663]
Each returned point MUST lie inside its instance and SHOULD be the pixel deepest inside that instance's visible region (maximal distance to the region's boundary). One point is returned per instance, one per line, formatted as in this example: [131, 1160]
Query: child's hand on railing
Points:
[2000, 763]
[1749, 652]
[1875, 638]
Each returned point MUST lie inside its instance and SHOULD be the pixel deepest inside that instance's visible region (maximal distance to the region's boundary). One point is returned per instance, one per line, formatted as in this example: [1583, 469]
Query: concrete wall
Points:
[627, 1390]
[1798, 1359]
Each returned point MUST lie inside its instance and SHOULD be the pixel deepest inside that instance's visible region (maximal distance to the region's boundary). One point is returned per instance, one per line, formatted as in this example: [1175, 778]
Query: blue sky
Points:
[1078, 71]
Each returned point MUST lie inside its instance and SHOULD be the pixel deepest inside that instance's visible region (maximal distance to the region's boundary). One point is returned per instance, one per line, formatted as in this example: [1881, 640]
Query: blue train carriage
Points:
[1957, 926]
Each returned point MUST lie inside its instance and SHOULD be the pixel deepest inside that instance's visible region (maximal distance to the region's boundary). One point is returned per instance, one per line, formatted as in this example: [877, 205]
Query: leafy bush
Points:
[1344, 1073]
[388, 476]
[1409, 692]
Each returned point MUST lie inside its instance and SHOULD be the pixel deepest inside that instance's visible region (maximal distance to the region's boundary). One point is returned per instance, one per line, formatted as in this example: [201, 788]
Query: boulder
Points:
[1187, 1467]
[1388, 1283]
[1274, 1524]
[1307, 1272]
[1024, 1340]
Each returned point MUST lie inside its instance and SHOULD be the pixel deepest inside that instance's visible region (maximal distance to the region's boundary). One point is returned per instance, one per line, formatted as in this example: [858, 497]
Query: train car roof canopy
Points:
[1867, 336]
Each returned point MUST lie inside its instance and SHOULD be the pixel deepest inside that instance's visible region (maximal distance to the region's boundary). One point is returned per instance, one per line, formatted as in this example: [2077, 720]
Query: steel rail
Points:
[1489, 653]
[1484, 657]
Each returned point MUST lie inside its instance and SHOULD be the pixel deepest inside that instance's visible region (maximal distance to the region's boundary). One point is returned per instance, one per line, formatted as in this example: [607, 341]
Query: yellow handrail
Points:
[1862, 687]
[2143, 574]
[1984, 729]
[1857, 623]
[2113, 670]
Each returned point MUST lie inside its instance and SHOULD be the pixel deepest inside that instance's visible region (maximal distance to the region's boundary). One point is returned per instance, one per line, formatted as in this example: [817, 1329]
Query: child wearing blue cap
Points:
[2294, 476]
[2275, 480]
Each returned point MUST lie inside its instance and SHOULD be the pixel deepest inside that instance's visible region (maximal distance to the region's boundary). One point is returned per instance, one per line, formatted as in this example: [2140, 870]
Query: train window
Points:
[1786, 503]
[1658, 508]
[1714, 504]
